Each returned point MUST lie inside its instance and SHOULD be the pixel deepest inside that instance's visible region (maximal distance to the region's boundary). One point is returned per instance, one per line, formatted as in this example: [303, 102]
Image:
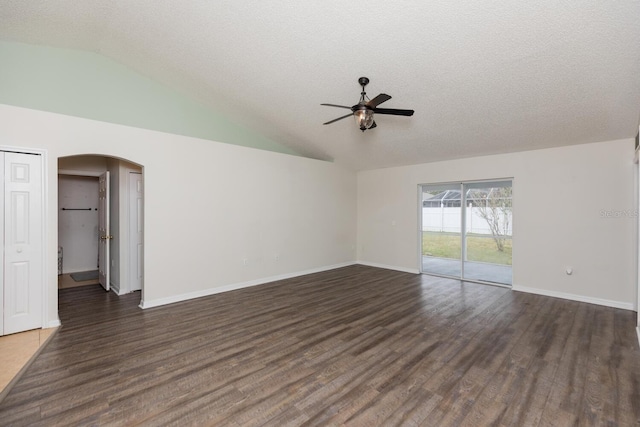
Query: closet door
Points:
[22, 233]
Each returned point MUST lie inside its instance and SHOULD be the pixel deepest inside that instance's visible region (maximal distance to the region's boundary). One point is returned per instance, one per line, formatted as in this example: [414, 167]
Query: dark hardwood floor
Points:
[357, 346]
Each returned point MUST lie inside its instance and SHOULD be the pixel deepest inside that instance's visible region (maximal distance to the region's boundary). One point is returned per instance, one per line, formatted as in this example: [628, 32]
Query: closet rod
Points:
[76, 209]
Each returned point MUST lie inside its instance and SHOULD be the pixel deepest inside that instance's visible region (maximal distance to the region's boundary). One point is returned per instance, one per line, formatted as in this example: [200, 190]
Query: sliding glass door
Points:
[466, 230]
[441, 236]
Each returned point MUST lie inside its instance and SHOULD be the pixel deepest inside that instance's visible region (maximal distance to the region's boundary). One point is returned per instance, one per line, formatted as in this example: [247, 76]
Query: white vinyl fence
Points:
[445, 219]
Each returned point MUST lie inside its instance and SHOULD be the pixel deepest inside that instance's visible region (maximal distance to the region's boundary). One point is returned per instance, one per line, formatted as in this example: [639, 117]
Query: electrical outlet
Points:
[245, 261]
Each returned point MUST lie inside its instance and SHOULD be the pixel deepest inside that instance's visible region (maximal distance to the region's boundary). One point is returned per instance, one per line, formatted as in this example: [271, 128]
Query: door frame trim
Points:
[130, 265]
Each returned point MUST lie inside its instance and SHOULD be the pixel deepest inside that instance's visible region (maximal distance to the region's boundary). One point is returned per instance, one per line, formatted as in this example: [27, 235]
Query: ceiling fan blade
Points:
[373, 103]
[339, 118]
[334, 105]
[393, 111]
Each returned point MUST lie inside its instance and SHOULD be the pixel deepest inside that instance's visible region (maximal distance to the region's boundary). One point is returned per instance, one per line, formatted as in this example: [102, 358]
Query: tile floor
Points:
[65, 281]
[17, 349]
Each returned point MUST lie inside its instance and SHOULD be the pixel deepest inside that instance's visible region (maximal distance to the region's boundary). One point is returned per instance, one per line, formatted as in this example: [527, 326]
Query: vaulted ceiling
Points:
[483, 77]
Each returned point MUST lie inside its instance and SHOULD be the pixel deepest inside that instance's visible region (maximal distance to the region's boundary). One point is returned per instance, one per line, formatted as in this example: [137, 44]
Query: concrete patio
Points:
[493, 273]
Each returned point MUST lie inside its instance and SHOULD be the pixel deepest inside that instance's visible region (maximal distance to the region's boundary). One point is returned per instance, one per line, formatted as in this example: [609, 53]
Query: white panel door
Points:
[135, 231]
[2, 310]
[22, 266]
[104, 231]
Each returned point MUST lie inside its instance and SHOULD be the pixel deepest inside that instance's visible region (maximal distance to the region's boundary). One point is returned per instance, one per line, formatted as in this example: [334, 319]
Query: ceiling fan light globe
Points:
[363, 118]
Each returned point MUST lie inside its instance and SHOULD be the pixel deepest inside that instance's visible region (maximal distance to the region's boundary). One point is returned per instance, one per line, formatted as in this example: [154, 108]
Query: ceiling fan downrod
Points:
[363, 82]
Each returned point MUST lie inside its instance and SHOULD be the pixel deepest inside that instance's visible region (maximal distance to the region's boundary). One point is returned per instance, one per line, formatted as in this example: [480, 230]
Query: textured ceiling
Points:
[483, 77]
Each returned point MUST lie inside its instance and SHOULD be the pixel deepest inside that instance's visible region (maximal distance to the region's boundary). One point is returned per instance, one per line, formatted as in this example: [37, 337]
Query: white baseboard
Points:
[574, 297]
[234, 286]
[390, 267]
[115, 289]
[53, 324]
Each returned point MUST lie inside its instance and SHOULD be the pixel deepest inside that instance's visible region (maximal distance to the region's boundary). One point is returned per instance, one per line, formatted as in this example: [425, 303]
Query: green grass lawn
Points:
[479, 248]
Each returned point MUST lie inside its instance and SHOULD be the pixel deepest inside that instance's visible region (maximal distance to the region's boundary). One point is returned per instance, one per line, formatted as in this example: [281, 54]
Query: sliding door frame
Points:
[463, 227]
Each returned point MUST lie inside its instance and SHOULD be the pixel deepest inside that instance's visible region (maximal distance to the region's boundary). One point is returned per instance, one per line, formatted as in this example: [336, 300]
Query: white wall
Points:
[591, 227]
[208, 206]
[78, 229]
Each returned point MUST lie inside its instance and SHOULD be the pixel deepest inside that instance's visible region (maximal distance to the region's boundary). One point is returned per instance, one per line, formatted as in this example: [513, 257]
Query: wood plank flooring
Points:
[354, 346]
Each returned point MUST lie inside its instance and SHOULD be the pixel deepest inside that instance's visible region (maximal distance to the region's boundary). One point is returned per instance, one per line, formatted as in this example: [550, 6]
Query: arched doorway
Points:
[78, 217]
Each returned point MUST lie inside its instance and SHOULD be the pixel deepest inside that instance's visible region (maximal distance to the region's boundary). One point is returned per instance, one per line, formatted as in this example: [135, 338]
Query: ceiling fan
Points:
[364, 110]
